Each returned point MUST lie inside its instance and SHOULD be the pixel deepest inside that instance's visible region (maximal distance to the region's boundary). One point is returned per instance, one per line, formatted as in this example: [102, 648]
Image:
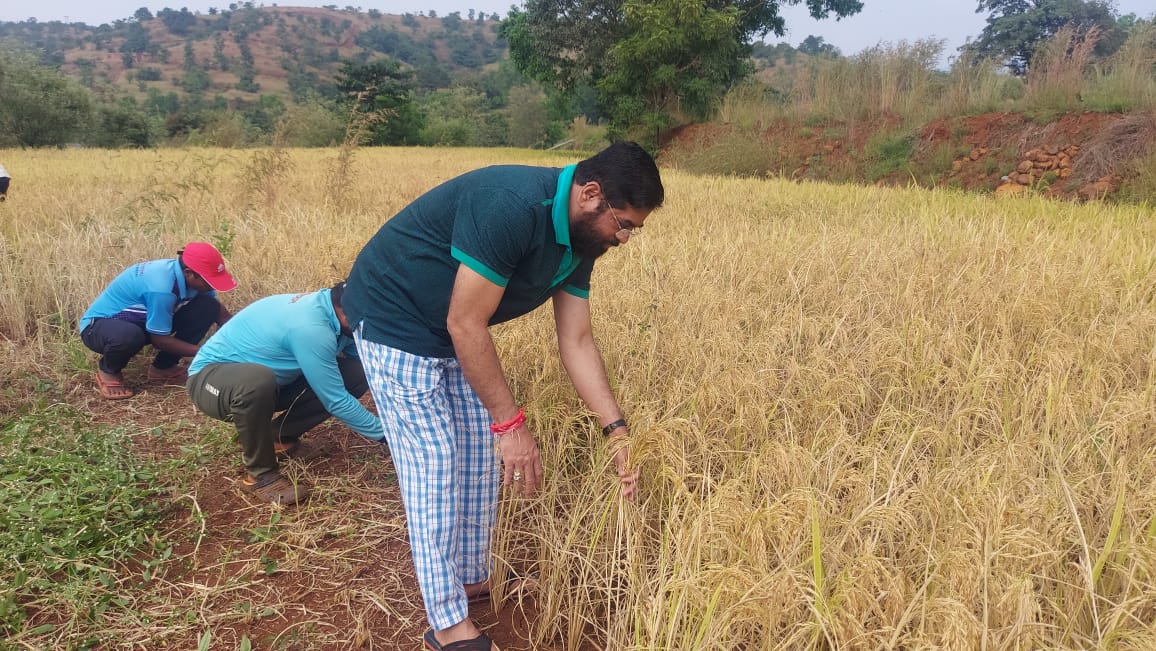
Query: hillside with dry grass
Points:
[242, 53]
[866, 418]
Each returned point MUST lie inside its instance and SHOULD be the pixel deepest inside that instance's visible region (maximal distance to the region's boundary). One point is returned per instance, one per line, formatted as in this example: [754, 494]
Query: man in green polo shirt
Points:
[480, 249]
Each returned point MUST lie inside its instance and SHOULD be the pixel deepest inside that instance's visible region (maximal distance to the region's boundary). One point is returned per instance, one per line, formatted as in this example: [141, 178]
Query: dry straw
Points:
[867, 418]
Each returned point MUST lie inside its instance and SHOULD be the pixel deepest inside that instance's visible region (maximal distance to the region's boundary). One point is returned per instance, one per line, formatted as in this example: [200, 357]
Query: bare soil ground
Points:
[334, 573]
[1009, 137]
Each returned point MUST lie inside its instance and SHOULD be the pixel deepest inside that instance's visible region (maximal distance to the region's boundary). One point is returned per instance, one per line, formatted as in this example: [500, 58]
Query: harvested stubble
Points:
[867, 418]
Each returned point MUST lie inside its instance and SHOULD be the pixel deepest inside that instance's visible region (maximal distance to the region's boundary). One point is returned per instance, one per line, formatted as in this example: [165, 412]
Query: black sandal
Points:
[479, 643]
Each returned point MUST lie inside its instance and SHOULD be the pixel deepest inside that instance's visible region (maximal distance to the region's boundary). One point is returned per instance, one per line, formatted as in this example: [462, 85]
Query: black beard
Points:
[584, 237]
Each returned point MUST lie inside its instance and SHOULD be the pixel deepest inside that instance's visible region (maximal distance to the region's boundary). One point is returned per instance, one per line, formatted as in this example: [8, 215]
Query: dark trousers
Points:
[247, 395]
[119, 341]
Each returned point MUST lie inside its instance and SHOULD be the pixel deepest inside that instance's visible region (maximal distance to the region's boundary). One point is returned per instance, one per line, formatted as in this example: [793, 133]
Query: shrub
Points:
[1126, 81]
[887, 153]
[1057, 75]
[149, 74]
[1140, 183]
[310, 125]
[733, 152]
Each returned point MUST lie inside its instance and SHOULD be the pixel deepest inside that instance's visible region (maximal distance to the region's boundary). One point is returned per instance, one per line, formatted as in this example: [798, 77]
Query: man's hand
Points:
[521, 461]
[627, 476]
[171, 344]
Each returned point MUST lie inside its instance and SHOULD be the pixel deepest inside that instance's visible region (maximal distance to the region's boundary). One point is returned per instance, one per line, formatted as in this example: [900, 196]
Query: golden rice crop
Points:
[867, 418]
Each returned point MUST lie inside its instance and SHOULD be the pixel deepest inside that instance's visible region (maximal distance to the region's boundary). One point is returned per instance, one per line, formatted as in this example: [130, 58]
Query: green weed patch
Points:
[888, 153]
[75, 505]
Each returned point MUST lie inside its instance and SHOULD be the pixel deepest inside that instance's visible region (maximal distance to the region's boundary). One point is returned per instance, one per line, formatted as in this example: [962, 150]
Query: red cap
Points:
[206, 260]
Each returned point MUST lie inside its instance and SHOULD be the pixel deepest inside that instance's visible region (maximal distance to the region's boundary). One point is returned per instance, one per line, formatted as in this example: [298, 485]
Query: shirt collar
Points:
[327, 307]
[560, 211]
[182, 290]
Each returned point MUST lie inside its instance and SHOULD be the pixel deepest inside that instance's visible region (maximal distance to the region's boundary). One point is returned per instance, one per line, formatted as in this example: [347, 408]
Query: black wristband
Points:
[621, 422]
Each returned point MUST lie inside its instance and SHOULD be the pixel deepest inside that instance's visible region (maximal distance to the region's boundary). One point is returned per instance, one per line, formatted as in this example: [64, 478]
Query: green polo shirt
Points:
[508, 223]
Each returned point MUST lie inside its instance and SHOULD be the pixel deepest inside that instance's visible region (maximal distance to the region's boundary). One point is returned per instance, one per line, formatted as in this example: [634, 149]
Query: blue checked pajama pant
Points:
[447, 469]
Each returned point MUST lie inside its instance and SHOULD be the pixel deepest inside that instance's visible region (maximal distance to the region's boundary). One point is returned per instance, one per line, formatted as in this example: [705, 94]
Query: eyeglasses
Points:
[623, 233]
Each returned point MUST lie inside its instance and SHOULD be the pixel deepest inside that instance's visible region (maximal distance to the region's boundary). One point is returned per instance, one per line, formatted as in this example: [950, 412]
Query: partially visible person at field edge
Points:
[4, 181]
[291, 353]
[477, 250]
[169, 303]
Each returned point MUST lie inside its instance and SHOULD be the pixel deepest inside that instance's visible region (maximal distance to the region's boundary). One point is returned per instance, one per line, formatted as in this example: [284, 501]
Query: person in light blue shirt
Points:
[170, 304]
[289, 353]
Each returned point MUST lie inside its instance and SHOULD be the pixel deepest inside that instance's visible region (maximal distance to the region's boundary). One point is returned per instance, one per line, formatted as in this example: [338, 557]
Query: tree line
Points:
[632, 67]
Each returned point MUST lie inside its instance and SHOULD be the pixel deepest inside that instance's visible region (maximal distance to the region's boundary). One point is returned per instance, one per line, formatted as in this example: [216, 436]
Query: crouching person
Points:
[4, 181]
[170, 304]
[290, 353]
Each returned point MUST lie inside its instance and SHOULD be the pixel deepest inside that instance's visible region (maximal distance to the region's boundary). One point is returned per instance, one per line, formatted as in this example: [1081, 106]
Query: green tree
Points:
[816, 46]
[395, 44]
[87, 68]
[39, 106]
[121, 125]
[219, 52]
[527, 117]
[383, 94]
[652, 62]
[247, 74]
[190, 56]
[195, 81]
[311, 124]
[675, 60]
[160, 105]
[149, 74]
[264, 115]
[179, 23]
[1016, 28]
[452, 22]
[460, 117]
[136, 44]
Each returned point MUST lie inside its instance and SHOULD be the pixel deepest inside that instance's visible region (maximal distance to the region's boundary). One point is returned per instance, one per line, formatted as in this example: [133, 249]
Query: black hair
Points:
[627, 174]
[185, 267]
[336, 292]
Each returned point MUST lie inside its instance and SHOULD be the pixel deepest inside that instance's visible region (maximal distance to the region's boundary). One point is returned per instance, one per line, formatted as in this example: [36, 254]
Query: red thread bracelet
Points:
[510, 425]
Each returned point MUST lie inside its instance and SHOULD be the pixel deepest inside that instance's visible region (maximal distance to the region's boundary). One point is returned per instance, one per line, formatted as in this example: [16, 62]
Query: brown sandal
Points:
[112, 387]
[286, 449]
[274, 488]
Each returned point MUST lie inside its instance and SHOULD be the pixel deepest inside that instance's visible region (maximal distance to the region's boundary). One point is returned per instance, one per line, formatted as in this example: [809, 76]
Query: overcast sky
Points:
[881, 21]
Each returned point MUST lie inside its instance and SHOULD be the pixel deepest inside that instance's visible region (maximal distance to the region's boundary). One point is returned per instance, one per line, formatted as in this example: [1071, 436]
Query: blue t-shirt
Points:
[508, 223]
[147, 294]
[293, 335]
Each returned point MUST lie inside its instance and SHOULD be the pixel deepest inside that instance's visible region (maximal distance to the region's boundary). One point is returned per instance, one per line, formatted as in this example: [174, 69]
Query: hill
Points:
[240, 54]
